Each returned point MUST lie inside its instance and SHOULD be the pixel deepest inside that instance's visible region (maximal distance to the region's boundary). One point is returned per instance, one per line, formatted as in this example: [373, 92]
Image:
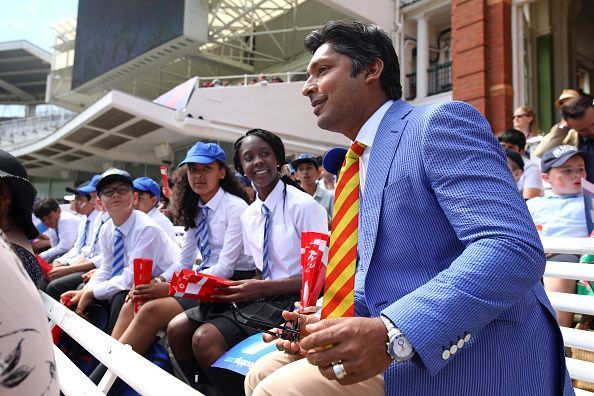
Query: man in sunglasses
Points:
[128, 235]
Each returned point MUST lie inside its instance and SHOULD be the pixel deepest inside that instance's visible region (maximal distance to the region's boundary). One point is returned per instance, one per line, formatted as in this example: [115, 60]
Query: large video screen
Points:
[111, 32]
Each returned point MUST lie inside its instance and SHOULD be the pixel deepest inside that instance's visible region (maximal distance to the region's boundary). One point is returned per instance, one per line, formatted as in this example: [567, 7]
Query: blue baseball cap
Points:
[559, 155]
[204, 153]
[113, 174]
[147, 184]
[86, 187]
[305, 157]
[333, 159]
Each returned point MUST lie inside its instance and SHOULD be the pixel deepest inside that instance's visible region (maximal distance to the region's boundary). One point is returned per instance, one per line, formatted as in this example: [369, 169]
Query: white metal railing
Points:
[26, 129]
[246, 79]
[142, 375]
[574, 338]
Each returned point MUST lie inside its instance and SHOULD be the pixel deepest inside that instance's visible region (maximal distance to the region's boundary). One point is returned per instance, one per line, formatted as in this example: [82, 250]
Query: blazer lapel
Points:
[383, 151]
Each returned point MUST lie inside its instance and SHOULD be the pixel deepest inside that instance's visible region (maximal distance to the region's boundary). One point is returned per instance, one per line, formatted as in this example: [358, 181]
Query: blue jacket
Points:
[449, 253]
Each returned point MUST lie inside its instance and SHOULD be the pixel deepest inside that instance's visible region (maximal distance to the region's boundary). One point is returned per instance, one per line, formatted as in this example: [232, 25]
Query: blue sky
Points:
[32, 20]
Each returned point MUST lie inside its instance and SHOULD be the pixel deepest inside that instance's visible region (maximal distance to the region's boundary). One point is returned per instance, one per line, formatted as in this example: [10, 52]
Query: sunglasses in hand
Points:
[287, 331]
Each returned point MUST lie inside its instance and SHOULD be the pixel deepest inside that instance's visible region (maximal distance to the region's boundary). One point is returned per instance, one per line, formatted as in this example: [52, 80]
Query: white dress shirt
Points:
[74, 254]
[62, 238]
[94, 255]
[224, 239]
[163, 222]
[143, 238]
[366, 136]
[290, 215]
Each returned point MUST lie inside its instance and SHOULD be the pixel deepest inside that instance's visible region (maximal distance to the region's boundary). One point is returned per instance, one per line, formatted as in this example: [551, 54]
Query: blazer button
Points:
[445, 355]
[467, 338]
[460, 343]
[453, 349]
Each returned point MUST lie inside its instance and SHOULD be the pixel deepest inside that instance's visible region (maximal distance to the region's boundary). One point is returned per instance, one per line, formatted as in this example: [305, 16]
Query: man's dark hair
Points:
[515, 158]
[515, 137]
[45, 206]
[574, 108]
[363, 43]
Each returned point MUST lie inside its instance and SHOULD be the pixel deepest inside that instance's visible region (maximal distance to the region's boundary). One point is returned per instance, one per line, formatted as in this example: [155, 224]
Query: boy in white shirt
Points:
[128, 235]
[63, 228]
[149, 196]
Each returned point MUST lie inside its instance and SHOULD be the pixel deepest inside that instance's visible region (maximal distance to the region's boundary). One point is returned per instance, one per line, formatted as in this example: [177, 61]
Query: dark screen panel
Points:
[109, 33]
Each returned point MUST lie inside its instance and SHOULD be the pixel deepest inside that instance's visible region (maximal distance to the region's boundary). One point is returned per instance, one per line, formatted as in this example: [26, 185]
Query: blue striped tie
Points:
[91, 253]
[83, 240]
[265, 255]
[118, 253]
[202, 238]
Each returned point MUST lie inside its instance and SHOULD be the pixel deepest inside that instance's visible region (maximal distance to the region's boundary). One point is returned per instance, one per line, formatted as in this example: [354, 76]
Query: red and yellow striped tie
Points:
[339, 287]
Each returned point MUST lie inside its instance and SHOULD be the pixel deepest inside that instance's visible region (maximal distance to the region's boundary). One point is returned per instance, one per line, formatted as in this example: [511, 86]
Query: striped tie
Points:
[83, 240]
[339, 287]
[202, 238]
[94, 247]
[118, 253]
[265, 255]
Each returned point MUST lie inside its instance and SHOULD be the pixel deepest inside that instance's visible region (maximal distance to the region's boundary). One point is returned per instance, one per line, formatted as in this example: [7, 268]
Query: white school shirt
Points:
[531, 177]
[224, 238]
[366, 136]
[94, 255]
[143, 238]
[63, 238]
[289, 216]
[74, 254]
[163, 222]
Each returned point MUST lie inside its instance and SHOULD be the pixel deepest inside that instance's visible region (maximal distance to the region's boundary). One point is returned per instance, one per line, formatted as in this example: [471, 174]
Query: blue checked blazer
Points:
[448, 252]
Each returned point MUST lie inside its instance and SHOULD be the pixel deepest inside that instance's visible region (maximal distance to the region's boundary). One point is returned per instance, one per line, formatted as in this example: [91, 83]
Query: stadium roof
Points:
[23, 72]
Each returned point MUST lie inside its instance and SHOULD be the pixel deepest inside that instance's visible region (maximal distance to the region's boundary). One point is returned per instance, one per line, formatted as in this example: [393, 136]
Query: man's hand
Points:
[291, 347]
[359, 343]
[87, 275]
[81, 298]
[59, 271]
[57, 264]
[243, 290]
[150, 291]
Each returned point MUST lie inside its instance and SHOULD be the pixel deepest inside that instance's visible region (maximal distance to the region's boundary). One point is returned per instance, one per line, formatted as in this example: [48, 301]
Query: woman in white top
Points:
[272, 228]
[205, 182]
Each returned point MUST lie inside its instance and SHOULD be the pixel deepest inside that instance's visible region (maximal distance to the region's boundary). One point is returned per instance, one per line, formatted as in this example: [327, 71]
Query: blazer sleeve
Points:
[502, 258]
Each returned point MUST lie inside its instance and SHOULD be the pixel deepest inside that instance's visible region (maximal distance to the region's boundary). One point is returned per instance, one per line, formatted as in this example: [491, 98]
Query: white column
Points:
[422, 56]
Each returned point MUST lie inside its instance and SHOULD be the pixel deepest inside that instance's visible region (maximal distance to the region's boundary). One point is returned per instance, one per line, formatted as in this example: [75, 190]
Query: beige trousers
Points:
[280, 374]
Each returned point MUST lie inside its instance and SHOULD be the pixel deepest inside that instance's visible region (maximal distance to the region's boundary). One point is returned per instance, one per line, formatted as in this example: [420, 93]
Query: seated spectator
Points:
[530, 184]
[68, 270]
[129, 234]
[208, 202]
[307, 171]
[63, 228]
[562, 214]
[276, 79]
[326, 180]
[271, 228]
[16, 200]
[515, 163]
[246, 184]
[525, 121]
[149, 196]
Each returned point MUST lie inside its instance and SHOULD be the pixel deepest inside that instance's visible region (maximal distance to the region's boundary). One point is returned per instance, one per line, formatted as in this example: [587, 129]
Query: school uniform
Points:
[84, 239]
[225, 243]
[163, 222]
[62, 238]
[291, 212]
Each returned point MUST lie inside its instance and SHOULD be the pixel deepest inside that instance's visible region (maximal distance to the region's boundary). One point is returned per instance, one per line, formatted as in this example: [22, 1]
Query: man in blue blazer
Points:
[448, 298]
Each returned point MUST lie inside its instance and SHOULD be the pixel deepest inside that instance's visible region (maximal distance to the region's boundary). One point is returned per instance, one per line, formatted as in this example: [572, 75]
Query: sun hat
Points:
[14, 174]
[566, 94]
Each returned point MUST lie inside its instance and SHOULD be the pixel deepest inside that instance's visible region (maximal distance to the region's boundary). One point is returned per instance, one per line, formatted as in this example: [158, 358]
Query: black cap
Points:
[111, 175]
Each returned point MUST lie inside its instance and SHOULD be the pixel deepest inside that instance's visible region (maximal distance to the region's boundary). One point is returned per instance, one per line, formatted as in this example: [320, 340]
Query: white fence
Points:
[141, 374]
[574, 338]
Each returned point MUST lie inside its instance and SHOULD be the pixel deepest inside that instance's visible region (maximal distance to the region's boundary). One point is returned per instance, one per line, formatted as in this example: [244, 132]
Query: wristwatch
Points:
[398, 347]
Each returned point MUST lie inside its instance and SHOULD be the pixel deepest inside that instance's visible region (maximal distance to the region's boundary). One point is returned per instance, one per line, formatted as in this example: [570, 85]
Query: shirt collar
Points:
[367, 132]
[128, 224]
[215, 201]
[275, 196]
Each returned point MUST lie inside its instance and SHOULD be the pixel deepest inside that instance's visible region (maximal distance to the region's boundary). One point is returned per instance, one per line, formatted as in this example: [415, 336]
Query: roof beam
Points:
[16, 90]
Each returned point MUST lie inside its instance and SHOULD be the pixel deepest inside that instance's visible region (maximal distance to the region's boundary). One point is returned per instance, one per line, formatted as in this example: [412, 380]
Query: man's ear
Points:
[374, 71]
[545, 177]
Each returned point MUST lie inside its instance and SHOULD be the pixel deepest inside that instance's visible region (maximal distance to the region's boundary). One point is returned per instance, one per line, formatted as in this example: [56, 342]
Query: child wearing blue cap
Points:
[271, 228]
[208, 202]
[149, 195]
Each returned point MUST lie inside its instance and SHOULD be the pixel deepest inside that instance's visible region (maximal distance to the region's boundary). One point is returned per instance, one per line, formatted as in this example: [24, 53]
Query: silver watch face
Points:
[400, 348]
